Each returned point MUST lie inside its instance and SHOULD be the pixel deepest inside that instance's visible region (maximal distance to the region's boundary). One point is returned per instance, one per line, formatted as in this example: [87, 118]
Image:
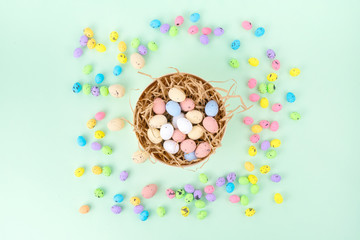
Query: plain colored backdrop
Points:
[41, 118]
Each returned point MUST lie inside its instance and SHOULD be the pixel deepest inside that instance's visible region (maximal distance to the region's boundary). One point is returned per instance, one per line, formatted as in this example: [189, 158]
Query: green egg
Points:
[243, 180]
[262, 88]
[106, 150]
[99, 193]
[244, 200]
[203, 178]
[86, 89]
[254, 189]
[106, 171]
[135, 43]
[189, 198]
[160, 211]
[234, 63]
[295, 116]
[270, 154]
[199, 204]
[87, 69]
[271, 88]
[201, 215]
[173, 31]
[104, 91]
[152, 46]
[180, 193]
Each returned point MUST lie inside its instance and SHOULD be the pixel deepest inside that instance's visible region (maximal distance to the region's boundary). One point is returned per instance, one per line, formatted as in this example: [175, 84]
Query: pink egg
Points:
[276, 107]
[178, 136]
[187, 105]
[188, 146]
[149, 191]
[252, 83]
[248, 120]
[246, 25]
[210, 124]
[193, 30]
[275, 64]
[209, 189]
[274, 126]
[170, 193]
[206, 31]
[159, 106]
[264, 124]
[179, 20]
[254, 138]
[99, 116]
[234, 199]
[202, 150]
[254, 97]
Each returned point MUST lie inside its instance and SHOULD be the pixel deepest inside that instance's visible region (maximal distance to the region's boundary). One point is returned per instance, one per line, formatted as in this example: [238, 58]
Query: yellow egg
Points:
[275, 143]
[154, 135]
[96, 170]
[185, 211]
[88, 32]
[252, 151]
[265, 169]
[122, 46]
[91, 123]
[99, 134]
[249, 166]
[252, 179]
[194, 116]
[272, 77]
[278, 198]
[91, 43]
[100, 47]
[114, 36]
[196, 132]
[264, 102]
[256, 128]
[122, 58]
[250, 212]
[253, 62]
[79, 172]
[294, 72]
[135, 201]
[157, 121]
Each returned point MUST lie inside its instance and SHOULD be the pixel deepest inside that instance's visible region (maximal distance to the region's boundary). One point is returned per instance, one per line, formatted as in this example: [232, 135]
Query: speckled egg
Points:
[252, 83]
[176, 94]
[218, 31]
[272, 77]
[203, 150]
[155, 23]
[152, 46]
[140, 156]
[204, 39]
[188, 146]
[142, 50]
[275, 64]
[173, 108]
[159, 106]
[193, 30]
[95, 91]
[104, 91]
[83, 40]
[154, 135]
[264, 169]
[76, 87]
[179, 20]
[137, 61]
[187, 105]
[116, 124]
[91, 43]
[290, 97]
[157, 121]
[100, 47]
[246, 25]
[88, 32]
[122, 58]
[117, 90]
[178, 136]
[175, 119]
[252, 151]
[166, 131]
[122, 46]
[211, 108]
[117, 70]
[173, 31]
[164, 28]
[264, 102]
[235, 44]
[170, 193]
[184, 125]
[114, 36]
[276, 107]
[210, 124]
[274, 126]
[149, 191]
[206, 30]
[254, 97]
[264, 124]
[99, 134]
[275, 143]
[254, 138]
[171, 146]
[190, 156]
[194, 116]
[248, 120]
[294, 72]
[196, 132]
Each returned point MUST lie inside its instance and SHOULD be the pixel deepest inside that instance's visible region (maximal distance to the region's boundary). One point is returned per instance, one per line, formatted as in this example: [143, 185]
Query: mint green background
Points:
[41, 118]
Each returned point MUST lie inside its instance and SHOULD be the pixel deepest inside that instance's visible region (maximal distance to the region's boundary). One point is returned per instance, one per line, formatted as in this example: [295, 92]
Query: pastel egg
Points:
[218, 31]
[204, 39]
[144, 215]
[275, 64]
[250, 212]
[137, 61]
[122, 46]
[100, 47]
[164, 28]
[117, 70]
[104, 91]
[253, 62]
[210, 124]
[99, 116]
[175, 119]
[252, 179]
[178, 136]
[254, 189]
[194, 116]
[244, 200]
[274, 126]
[193, 30]
[203, 150]
[243, 180]
[276, 107]
[122, 58]
[272, 77]
[99, 78]
[246, 25]
[194, 17]
[254, 138]
[209, 189]
[117, 90]
[271, 154]
[262, 88]
[166, 131]
[149, 191]
[264, 169]
[91, 43]
[187, 105]
[157, 121]
[256, 128]
[259, 32]
[76, 87]
[264, 124]
[235, 44]
[230, 187]
[154, 135]
[88, 32]
[264, 102]
[188, 146]
[275, 178]
[275, 143]
[114, 36]
[254, 97]
[83, 40]
[99, 134]
[84, 209]
[91, 123]
[95, 91]
[87, 89]
[249, 166]
[271, 88]
[234, 199]
[184, 125]
[139, 157]
[177, 94]
[295, 116]
[211, 108]
[96, 146]
[248, 120]
[159, 106]
[155, 23]
[278, 198]
[294, 72]
[78, 52]
[135, 43]
[116, 124]
[196, 132]
[290, 97]
[152, 46]
[265, 145]
[270, 54]
[171, 146]
[179, 20]
[252, 151]
[252, 83]
[142, 50]
[173, 31]
[173, 108]
[190, 156]
[206, 30]
[234, 63]
[170, 193]
[81, 141]
[185, 211]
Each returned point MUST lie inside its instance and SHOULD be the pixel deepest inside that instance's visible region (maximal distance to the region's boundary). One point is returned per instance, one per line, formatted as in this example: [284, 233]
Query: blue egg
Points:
[235, 44]
[259, 32]
[118, 198]
[173, 108]
[99, 78]
[77, 87]
[155, 23]
[144, 215]
[290, 97]
[194, 17]
[81, 141]
[190, 156]
[211, 108]
[230, 187]
[117, 70]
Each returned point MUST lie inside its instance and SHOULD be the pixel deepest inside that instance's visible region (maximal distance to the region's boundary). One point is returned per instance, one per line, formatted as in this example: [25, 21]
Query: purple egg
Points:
[164, 28]
[142, 50]
[138, 209]
[265, 145]
[124, 175]
[95, 91]
[220, 182]
[197, 194]
[96, 146]
[83, 40]
[218, 31]
[78, 52]
[210, 197]
[116, 209]
[189, 188]
[270, 54]
[275, 178]
[231, 177]
[204, 39]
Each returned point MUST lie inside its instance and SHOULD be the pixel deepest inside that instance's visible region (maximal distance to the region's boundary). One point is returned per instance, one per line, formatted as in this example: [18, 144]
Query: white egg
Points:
[174, 120]
[166, 131]
[171, 146]
[157, 121]
[184, 125]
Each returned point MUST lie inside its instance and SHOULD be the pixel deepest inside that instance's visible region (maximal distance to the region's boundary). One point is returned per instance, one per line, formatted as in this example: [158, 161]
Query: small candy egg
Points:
[157, 121]
[274, 126]
[99, 116]
[171, 146]
[114, 36]
[218, 31]
[99, 193]
[231, 177]
[259, 32]
[290, 97]
[86, 89]
[161, 211]
[244, 200]
[87, 69]
[248, 120]
[206, 30]
[187, 105]
[95, 91]
[173, 31]
[178, 136]
[83, 40]
[164, 28]
[155, 23]
[200, 204]
[278, 198]
[184, 125]
[122, 46]
[275, 178]
[122, 58]
[210, 197]
[271, 154]
[270, 54]
[196, 132]
[79, 172]
[141, 156]
[78, 52]
[204, 39]
[96, 170]
[96, 146]
[211, 108]
[265, 145]
[203, 178]
[250, 212]
[230, 187]
[209, 189]
[99, 134]
[138, 209]
[210, 124]
[234, 199]
[123, 176]
[116, 124]
[84, 209]
[264, 124]
[185, 211]
[135, 43]
[197, 195]
[235, 44]
[106, 171]
[262, 88]
[149, 191]
[189, 198]
[91, 123]
[188, 146]
[117, 70]
[179, 20]
[189, 188]
[252, 151]
[295, 116]
[144, 215]
[272, 77]
[203, 150]
[106, 150]
[246, 25]
[88, 32]
[294, 72]
[249, 166]
[137, 61]
[252, 83]
[91, 43]
[265, 169]
[271, 88]
[175, 119]
[159, 106]
[152, 46]
[193, 30]
[256, 128]
[176, 94]
[254, 189]
[234, 63]
[170, 193]
[253, 62]
[76, 87]
[154, 135]
[276, 107]
[275, 64]
[117, 90]
[252, 179]
[180, 193]
[194, 17]
[194, 116]
[264, 102]
[190, 156]
[142, 50]
[100, 47]
[220, 181]
[81, 141]
[254, 138]
[135, 201]
[166, 131]
[243, 181]
[201, 215]
[99, 78]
